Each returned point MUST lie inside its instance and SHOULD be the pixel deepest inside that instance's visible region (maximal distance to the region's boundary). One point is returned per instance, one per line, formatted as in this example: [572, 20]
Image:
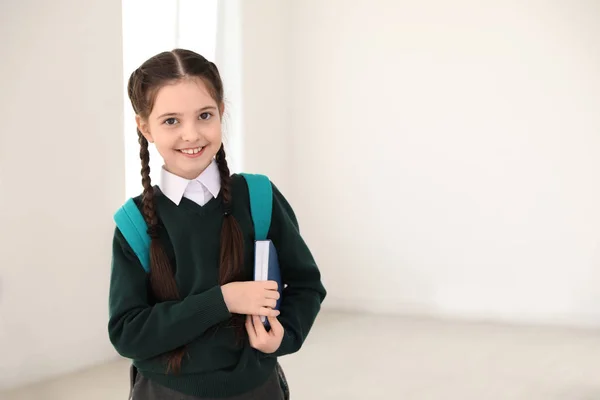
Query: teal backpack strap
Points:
[133, 227]
[261, 203]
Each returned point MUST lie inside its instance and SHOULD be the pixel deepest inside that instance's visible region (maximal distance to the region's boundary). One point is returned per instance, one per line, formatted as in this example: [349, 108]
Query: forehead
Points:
[185, 95]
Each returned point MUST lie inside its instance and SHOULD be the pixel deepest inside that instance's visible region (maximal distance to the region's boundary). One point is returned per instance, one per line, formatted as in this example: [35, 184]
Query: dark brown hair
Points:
[143, 86]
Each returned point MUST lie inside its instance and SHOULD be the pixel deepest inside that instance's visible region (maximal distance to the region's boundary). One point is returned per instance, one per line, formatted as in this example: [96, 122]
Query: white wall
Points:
[266, 86]
[61, 178]
[445, 155]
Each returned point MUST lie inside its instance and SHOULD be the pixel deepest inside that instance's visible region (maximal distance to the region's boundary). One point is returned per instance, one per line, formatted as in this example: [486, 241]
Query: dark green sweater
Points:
[143, 330]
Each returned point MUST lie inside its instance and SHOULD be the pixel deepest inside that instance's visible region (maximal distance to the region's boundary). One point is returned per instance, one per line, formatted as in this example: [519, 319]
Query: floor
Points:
[375, 357]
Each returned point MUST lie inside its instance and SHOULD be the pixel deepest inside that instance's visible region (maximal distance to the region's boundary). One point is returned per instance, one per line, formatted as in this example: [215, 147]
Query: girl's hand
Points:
[260, 339]
[251, 298]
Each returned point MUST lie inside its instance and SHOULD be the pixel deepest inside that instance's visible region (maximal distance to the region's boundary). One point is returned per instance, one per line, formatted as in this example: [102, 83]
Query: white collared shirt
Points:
[200, 190]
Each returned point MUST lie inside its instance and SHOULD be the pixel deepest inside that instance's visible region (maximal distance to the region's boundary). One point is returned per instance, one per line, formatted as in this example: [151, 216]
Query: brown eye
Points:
[170, 121]
[205, 116]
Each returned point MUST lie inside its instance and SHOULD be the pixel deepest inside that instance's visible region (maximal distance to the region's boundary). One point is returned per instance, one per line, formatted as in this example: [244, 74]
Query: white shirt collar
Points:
[176, 187]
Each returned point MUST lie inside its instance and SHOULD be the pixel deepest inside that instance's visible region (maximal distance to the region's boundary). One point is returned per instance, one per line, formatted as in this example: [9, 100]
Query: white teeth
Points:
[192, 151]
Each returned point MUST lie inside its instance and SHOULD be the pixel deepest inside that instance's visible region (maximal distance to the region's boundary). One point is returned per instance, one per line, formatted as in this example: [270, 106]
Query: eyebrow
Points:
[179, 114]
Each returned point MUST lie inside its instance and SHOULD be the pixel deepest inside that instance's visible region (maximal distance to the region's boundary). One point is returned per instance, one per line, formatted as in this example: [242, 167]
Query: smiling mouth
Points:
[192, 151]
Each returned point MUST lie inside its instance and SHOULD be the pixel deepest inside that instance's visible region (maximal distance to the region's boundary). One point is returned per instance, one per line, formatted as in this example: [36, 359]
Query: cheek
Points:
[214, 136]
[213, 133]
[164, 141]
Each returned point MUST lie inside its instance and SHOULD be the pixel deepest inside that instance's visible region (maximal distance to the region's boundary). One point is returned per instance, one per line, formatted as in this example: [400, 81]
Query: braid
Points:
[232, 242]
[148, 195]
[162, 279]
[225, 176]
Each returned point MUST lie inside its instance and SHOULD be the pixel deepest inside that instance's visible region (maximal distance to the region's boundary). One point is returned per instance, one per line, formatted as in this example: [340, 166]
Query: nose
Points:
[190, 134]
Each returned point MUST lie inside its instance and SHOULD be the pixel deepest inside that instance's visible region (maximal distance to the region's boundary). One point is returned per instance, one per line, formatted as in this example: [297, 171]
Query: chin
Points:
[191, 168]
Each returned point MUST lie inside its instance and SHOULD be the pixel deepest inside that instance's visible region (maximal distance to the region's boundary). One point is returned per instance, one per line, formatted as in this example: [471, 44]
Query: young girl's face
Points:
[185, 126]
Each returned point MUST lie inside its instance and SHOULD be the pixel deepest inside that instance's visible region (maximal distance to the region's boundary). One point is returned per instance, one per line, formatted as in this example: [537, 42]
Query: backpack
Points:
[133, 227]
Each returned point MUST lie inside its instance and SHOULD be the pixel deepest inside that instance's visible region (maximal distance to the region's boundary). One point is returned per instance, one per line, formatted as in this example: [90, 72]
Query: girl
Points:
[192, 325]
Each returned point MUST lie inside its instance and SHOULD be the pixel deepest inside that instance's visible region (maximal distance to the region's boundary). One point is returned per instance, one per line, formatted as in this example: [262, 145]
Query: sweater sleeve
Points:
[140, 330]
[301, 299]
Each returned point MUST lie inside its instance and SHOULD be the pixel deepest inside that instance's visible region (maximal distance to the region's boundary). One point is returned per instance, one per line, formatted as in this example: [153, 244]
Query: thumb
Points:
[276, 327]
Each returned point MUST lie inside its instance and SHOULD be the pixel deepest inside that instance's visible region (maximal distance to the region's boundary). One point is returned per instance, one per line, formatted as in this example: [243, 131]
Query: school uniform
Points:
[216, 365]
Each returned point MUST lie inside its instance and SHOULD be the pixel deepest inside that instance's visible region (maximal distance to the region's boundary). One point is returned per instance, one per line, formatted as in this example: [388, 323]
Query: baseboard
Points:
[385, 307]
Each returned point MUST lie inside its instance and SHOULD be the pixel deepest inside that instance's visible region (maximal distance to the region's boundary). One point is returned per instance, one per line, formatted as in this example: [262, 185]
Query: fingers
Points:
[276, 327]
[272, 294]
[268, 312]
[270, 303]
[260, 339]
[258, 326]
[270, 285]
[264, 295]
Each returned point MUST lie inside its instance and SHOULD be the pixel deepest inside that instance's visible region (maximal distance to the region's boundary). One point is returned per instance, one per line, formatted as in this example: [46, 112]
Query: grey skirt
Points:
[275, 388]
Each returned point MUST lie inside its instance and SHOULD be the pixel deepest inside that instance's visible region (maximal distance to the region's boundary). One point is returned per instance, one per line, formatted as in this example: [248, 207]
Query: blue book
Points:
[266, 268]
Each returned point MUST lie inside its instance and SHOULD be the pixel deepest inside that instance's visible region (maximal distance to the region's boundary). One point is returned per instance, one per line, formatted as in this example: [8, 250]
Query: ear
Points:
[221, 109]
[142, 125]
